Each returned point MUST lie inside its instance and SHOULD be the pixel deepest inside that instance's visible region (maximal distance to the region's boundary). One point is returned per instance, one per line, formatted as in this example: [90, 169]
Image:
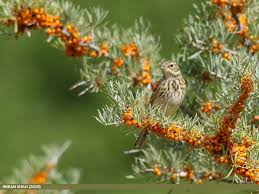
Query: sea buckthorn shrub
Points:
[44, 169]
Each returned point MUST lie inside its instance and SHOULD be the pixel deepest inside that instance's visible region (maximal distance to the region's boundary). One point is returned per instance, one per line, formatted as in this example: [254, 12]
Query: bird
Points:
[168, 95]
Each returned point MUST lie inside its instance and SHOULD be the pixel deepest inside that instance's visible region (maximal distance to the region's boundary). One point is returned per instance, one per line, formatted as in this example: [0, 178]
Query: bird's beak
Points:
[162, 67]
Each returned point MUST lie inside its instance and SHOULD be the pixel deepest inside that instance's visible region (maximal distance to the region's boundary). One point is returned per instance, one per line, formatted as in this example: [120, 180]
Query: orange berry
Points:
[49, 31]
[94, 54]
[40, 178]
[174, 176]
[134, 122]
[157, 171]
[199, 181]
[128, 122]
[118, 62]
[87, 39]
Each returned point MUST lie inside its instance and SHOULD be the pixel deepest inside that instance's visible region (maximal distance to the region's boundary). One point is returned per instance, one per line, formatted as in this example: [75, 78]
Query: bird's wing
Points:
[154, 94]
[153, 97]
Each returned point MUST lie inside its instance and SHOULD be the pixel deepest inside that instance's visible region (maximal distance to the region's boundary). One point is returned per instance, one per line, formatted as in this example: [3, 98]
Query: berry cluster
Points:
[157, 170]
[104, 49]
[208, 107]
[130, 50]
[245, 168]
[193, 137]
[144, 77]
[75, 46]
[42, 176]
[117, 63]
[239, 152]
[210, 175]
[37, 18]
[250, 174]
[172, 133]
[146, 74]
[189, 174]
[129, 120]
[223, 142]
[233, 13]
[254, 48]
[218, 48]
[186, 173]
[223, 138]
[28, 18]
[230, 120]
[235, 18]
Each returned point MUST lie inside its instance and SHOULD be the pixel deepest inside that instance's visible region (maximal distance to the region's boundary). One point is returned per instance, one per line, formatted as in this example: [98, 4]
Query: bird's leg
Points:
[141, 138]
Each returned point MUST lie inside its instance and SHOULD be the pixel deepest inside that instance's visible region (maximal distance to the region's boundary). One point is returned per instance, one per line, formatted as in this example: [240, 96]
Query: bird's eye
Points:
[171, 65]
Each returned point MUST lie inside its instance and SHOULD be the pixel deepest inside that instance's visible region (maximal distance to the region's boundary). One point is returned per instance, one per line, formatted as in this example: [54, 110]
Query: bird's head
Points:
[170, 68]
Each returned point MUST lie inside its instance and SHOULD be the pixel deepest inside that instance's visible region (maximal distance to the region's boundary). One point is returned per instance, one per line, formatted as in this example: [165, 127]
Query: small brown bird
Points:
[169, 93]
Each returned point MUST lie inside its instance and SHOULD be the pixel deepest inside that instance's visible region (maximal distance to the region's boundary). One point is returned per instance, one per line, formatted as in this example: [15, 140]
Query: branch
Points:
[130, 55]
[222, 146]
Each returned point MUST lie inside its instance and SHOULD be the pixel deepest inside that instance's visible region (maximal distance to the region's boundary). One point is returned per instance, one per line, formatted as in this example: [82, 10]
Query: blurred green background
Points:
[37, 107]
